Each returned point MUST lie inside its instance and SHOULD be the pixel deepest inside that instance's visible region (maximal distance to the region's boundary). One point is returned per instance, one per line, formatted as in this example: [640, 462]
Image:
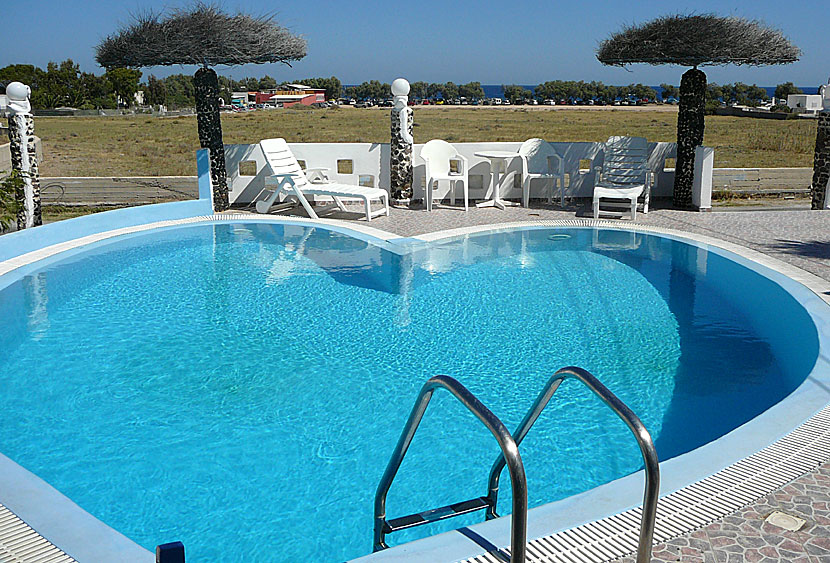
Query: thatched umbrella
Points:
[695, 40]
[206, 36]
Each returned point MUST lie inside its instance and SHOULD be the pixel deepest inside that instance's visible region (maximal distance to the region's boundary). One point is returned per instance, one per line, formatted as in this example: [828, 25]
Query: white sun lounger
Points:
[287, 175]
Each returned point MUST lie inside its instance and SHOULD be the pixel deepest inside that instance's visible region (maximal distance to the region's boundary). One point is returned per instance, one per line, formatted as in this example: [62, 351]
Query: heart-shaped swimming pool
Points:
[240, 386]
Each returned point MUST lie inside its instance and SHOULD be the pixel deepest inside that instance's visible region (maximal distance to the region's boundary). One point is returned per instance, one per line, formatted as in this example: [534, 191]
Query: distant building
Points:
[242, 98]
[287, 95]
[805, 103]
[290, 94]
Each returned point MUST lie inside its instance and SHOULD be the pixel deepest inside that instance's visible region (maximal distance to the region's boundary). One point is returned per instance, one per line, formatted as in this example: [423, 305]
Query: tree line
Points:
[63, 84]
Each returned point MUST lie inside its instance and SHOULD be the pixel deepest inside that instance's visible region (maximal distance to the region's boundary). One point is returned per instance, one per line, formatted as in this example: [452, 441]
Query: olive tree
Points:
[695, 41]
[206, 36]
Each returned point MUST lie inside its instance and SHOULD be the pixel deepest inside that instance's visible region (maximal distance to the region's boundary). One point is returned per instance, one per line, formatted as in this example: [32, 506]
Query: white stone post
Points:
[400, 165]
[24, 153]
[702, 185]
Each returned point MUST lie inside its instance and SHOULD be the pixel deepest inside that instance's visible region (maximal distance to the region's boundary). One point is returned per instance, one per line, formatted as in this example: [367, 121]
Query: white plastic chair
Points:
[541, 161]
[438, 156]
[624, 174]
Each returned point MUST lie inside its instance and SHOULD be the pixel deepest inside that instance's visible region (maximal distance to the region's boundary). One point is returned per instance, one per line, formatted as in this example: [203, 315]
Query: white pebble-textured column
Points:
[400, 165]
[24, 153]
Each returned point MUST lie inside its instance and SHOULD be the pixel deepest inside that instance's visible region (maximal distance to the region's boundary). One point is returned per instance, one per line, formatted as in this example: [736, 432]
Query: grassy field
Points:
[148, 146]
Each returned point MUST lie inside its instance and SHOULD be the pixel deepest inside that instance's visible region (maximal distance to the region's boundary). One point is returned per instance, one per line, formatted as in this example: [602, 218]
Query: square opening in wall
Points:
[345, 167]
[670, 163]
[366, 180]
[585, 164]
[302, 164]
[247, 168]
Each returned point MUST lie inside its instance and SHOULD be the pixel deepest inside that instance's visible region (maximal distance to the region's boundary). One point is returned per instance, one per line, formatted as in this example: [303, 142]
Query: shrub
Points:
[10, 189]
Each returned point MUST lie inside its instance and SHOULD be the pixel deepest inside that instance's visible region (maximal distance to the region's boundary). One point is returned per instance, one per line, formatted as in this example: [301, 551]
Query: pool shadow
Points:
[809, 249]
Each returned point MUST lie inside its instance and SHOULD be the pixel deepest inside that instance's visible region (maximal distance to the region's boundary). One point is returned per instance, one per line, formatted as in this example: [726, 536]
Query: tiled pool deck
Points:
[800, 238]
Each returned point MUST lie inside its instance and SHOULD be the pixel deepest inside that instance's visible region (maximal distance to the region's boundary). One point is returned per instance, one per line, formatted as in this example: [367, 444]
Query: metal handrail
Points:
[652, 468]
[510, 456]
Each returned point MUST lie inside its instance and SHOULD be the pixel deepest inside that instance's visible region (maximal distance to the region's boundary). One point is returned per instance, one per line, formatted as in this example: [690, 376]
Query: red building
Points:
[292, 94]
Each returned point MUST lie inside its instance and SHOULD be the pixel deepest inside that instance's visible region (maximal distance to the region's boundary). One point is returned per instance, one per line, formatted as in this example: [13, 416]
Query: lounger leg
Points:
[634, 209]
[368, 208]
[264, 205]
[304, 202]
[596, 208]
[453, 187]
[339, 203]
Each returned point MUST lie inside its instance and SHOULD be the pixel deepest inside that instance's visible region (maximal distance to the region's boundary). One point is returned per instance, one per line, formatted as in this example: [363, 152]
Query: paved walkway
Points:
[800, 238]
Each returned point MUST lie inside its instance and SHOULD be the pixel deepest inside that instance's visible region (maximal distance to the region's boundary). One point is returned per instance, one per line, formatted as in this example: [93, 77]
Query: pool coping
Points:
[596, 539]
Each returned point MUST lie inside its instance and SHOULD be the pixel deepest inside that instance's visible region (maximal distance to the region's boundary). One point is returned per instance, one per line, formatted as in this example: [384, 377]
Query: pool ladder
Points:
[509, 444]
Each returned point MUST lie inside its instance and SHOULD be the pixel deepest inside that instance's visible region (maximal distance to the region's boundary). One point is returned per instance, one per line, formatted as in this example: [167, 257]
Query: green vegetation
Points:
[147, 146]
[10, 189]
[65, 85]
[579, 90]
[785, 89]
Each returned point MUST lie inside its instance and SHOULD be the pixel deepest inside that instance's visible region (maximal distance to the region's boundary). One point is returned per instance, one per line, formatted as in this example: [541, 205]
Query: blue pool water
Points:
[240, 387]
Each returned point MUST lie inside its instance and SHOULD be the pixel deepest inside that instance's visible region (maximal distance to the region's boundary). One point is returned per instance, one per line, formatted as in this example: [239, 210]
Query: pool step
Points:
[436, 514]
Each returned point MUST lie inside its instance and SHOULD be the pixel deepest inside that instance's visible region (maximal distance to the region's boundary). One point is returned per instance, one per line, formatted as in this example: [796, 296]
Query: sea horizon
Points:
[497, 91]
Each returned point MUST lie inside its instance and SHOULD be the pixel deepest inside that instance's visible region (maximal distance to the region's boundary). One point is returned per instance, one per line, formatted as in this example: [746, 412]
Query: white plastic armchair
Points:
[624, 174]
[541, 161]
[438, 156]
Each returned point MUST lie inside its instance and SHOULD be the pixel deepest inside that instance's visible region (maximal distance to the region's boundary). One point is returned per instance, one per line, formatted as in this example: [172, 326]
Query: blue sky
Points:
[493, 42]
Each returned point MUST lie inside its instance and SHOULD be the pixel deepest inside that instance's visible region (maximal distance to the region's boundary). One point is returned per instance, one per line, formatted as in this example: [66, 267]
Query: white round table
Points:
[497, 159]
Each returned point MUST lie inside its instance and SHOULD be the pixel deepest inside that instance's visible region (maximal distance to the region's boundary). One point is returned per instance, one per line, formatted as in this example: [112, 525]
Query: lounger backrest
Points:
[537, 152]
[625, 160]
[438, 154]
[282, 160]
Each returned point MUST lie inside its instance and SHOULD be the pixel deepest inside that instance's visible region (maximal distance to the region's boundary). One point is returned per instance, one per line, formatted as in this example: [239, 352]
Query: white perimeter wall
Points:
[370, 163]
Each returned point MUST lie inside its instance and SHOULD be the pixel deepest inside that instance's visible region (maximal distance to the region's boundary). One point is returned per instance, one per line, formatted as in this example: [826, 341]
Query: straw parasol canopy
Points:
[695, 41]
[698, 40]
[202, 35]
[206, 36]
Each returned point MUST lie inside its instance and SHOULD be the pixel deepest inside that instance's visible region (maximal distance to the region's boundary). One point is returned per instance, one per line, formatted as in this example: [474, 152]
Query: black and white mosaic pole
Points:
[821, 162]
[206, 85]
[401, 145]
[24, 153]
[690, 125]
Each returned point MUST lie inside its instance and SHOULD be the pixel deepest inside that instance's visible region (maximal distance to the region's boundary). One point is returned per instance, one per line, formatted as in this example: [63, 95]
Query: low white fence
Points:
[368, 164]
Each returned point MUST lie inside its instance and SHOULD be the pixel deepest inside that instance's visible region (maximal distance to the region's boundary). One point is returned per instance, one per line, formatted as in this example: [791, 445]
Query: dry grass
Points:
[145, 146]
